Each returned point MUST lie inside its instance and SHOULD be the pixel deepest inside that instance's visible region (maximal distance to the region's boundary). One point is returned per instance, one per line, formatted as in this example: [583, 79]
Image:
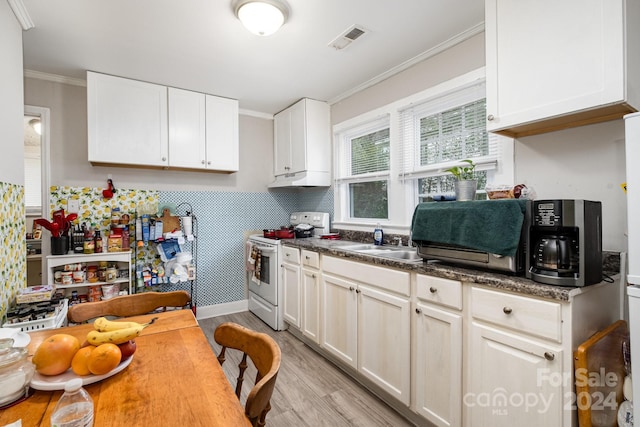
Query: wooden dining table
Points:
[174, 379]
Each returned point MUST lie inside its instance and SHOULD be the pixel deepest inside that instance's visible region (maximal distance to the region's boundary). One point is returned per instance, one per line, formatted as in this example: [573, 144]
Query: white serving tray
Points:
[57, 382]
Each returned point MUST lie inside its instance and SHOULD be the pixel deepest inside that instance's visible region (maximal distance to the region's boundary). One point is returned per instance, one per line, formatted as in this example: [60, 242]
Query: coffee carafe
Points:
[564, 242]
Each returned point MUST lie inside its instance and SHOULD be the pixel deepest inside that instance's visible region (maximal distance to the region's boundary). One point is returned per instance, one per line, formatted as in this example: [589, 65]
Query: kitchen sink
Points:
[400, 253]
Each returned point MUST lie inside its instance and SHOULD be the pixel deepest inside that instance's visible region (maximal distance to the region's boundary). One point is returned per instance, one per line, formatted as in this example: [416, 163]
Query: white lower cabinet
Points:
[438, 351]
[514, 380]
[291, 286]
[311, 304]
[368, 326]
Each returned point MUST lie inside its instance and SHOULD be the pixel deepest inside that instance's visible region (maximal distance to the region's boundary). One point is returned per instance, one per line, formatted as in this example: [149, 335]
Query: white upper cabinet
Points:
[222, 134]
[144, 124]
[302, 144]
[127, 121]
[553, 65]
[187, 129]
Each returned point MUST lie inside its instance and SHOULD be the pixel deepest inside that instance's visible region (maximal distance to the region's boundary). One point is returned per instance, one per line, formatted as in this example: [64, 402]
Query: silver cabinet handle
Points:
[433, 290]
[418, 311]
[507, 310]
[549, 356]
[490, 117]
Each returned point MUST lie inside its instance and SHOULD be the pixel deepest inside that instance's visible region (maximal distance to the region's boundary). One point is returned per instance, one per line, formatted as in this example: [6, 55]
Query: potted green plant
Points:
[466, 183]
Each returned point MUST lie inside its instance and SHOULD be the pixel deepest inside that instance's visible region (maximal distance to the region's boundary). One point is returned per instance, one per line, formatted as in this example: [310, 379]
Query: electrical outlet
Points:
[73, 206]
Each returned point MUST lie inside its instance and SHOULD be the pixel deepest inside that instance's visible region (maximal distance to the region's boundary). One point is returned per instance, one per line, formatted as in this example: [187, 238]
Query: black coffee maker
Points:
[564, 242]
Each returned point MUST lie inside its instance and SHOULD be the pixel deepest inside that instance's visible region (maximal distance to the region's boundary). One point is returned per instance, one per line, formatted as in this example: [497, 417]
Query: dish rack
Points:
[55, 321]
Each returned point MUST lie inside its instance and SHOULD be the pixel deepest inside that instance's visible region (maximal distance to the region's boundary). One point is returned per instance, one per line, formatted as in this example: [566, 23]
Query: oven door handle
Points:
[268, 250]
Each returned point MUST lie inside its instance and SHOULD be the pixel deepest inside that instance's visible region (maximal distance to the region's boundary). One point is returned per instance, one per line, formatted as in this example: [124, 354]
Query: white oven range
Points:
[266, 296]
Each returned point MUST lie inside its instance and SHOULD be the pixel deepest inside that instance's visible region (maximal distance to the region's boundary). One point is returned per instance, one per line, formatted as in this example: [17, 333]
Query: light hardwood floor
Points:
[310, 391]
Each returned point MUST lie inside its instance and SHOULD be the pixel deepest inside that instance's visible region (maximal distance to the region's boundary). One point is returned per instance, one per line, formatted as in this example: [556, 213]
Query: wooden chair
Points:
[128, 305]
[265, 355]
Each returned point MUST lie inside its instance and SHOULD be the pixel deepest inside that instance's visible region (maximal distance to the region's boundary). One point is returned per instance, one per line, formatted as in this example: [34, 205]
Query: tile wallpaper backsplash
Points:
[13, 268]
[223, 219]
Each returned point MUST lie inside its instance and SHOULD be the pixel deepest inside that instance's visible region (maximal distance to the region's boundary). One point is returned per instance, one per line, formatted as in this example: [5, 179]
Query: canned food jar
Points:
[92, 273]
[112, 274]
[78, 276]
[67, 278]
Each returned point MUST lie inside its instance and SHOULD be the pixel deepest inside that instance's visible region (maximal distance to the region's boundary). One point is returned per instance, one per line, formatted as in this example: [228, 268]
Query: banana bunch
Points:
[108, 331]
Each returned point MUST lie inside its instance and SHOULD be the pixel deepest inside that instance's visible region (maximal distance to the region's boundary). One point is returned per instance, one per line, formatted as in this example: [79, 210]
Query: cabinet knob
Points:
[202, 161]
[549, 356]
[507, 310]
[418, 311]
[351, 288]
[209, 162]
[358, 291]
[287, 255]
[164, 159]
[307, 257]
[313, 276]
[490, 117]
[433, 290]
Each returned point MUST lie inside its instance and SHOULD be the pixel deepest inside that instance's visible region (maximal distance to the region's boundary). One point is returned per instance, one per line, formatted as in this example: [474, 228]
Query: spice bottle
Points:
[97, 242]
[75, 407]
[89, 243]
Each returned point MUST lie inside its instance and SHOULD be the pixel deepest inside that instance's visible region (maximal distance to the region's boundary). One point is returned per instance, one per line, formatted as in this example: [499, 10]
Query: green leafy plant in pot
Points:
[466, 182]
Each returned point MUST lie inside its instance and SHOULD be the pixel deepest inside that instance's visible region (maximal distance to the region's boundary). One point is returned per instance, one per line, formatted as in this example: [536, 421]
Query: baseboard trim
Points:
[208, 311]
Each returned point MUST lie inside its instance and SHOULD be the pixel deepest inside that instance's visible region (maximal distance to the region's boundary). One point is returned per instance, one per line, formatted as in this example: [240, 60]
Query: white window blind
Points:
[364, 153]
[439, 132]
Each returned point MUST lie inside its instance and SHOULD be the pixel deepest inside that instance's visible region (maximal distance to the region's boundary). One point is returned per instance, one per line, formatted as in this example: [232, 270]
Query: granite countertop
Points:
[496, 280]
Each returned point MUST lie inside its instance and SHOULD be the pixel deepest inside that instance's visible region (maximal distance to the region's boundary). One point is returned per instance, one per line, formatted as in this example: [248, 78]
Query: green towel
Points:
[492, 226]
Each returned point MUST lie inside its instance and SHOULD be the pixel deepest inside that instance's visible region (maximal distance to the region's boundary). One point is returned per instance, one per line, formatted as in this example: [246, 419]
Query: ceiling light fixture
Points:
[263, 17]
[36, 125]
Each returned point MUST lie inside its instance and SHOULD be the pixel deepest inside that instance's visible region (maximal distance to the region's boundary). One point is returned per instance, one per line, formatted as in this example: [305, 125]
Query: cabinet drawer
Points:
[528, 315]
[310, 258]
[291, 255]
[440, 291]
[384, 278]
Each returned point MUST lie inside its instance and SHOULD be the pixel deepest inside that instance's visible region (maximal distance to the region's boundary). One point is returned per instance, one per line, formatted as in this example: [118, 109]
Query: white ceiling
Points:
[200, 45]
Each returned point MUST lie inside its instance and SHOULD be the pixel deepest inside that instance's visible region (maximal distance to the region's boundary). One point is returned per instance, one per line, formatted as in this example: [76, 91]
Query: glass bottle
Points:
[97, 242]
[75, 407]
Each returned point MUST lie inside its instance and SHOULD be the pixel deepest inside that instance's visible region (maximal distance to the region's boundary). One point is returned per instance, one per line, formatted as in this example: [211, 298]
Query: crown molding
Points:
[54, 78]
[447, 44]
[257, 114]
[21, 13]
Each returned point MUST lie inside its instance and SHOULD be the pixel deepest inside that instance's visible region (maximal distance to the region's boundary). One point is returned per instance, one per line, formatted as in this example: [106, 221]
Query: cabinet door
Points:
[339, 318]
[311, 304]
[514, 380]
[292, 294]
[186, 129]
[384, 343]
[282, 143]
[546, 59]
[126, 121]
[222, 134]
[438, 375]
[298, 125]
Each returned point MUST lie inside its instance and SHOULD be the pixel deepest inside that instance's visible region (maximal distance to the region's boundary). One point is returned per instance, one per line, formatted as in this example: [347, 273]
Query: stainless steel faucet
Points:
[398, 239]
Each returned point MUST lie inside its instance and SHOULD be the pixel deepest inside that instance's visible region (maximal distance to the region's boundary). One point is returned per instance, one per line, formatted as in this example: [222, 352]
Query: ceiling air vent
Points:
[346, 38]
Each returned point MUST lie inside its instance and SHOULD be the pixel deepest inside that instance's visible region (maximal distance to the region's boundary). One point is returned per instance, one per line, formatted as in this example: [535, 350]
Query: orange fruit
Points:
[104, 358]
[53, 356]
[79, 363]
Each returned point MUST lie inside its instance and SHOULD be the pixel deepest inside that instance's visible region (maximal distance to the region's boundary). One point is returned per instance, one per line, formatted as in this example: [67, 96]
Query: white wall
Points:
[11, 101]
[69, 165]
[581, 163]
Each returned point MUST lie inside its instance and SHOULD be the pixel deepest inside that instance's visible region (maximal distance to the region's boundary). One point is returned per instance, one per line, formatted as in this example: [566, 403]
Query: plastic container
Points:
[110, 291]
[16, 371]
[75, 407]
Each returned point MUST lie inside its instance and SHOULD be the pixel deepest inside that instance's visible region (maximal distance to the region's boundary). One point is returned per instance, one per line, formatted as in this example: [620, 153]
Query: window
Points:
[363, 170]
[390, 159]
[440, 132]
